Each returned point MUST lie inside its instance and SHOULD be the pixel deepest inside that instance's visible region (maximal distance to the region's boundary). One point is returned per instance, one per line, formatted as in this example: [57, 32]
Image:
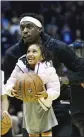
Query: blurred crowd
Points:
[63, 20]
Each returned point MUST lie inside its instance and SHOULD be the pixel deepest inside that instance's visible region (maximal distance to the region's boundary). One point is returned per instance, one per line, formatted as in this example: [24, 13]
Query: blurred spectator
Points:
[5, 21]
[43, 8]
[66, 34]
[6, 39]
[52, 28]
[42, 18]
[78, 34]
[15, 29]
[5, 6]
[14, 26]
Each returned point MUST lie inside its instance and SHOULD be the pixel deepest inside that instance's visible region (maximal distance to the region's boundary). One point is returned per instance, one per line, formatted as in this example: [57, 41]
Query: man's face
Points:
[29, 31]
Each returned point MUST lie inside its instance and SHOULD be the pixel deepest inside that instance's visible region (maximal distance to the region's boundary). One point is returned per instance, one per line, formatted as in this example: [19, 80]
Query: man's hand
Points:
[82, 84]
[64, 80]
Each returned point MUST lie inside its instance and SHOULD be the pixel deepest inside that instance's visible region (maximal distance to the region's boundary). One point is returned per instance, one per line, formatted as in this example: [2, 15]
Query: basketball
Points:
[27, 86]
[6, 123]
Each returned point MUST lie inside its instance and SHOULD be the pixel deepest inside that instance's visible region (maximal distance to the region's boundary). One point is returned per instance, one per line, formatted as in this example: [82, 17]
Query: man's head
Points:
[31, 27]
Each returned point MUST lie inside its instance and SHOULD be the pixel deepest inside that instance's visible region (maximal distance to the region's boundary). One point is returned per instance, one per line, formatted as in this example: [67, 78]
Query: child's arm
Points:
[4, 103]
[11, 81]
[53, 85]
[52, 88]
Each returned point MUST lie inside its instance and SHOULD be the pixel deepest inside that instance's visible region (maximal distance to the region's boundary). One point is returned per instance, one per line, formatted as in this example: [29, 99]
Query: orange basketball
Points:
[27, 86]
[6, 123]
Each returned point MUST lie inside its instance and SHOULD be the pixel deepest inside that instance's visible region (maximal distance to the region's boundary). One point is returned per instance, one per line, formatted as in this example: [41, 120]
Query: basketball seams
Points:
[5, 124]
[4, 130]
[22, 88]
[25, 90]
[7, 119]
[40, 81]
[33, 83]
[36, 76]
[33, 87]
[18, 86]
[22, 80]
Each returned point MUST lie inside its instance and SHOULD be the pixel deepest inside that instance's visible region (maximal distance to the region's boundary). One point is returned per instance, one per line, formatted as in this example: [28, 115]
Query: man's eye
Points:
[29, 27]
[22, 27]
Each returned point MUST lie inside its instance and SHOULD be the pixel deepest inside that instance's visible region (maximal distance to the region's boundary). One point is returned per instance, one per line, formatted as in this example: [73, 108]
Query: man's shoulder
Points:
[57, 42]
[12, 48]
[51, 42]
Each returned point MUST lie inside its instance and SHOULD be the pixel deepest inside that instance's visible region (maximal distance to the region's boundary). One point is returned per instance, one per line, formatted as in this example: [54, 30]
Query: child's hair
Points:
[47, 56]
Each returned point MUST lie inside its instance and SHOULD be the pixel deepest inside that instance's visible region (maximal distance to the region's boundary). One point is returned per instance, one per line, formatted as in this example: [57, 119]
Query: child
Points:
[38, 117]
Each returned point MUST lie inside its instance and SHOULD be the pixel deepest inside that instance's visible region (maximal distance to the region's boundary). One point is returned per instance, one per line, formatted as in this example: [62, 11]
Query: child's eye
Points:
[34, 51]
[28, 51]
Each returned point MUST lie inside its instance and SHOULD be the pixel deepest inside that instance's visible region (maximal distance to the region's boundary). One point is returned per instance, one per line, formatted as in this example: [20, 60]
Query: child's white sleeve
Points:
[11, 81]
[52, 88]
[53, 85]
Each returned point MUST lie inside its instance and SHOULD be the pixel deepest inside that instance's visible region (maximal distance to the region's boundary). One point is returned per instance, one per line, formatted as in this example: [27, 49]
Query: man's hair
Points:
[37, 16]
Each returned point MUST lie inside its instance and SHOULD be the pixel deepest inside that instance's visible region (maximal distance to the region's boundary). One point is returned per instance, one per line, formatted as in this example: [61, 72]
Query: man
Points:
[32, 31]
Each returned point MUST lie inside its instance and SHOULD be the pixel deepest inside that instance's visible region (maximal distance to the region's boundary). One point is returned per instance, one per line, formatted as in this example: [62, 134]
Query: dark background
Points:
[63, 20]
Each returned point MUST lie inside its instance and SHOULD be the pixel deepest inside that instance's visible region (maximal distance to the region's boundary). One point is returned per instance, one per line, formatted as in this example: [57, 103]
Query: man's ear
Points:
[40, 30]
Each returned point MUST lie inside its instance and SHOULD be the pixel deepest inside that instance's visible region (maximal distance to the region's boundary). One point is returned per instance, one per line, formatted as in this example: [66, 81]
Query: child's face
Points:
[34, 55]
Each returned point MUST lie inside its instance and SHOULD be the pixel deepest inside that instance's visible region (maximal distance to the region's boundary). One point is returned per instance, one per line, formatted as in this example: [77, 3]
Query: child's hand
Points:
[13, 92]
[6, 113]
[42, 94]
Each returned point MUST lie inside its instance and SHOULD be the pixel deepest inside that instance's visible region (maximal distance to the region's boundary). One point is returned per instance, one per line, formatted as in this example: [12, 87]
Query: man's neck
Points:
[38, 40]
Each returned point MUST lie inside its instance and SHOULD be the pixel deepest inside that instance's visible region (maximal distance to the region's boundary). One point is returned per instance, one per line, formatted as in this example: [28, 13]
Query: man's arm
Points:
[74, 63]
[82, 84]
